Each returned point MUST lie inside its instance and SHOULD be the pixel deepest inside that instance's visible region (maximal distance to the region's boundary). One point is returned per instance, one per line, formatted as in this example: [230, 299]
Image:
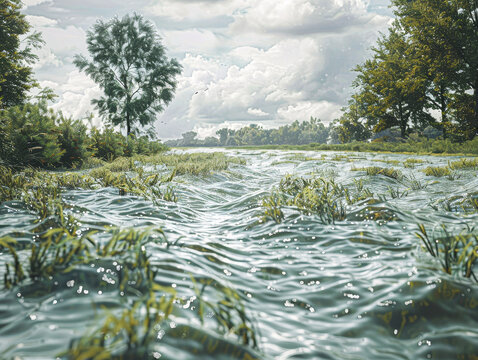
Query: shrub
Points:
[29, 136]
[107, 145]
[74, 141]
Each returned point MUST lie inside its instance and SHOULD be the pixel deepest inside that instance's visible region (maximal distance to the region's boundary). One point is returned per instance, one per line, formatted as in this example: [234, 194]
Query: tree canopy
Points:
[16, 54]
[129, 63]
[426, 64]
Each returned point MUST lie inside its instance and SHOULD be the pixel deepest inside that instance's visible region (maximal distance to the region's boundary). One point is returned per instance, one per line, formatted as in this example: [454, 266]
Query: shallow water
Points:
[361, 288]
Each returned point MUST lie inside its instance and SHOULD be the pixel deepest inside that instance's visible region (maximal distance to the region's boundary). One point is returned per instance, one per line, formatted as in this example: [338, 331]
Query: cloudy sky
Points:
[268, 62]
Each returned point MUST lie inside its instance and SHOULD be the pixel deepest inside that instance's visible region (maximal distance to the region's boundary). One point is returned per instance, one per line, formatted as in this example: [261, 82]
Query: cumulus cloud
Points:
[197, 9]
[257, 112]
[30, 3]
[271, 77]
[40, 21]
[244, 61]
[324, 110]
[193, 40]
[304, 16]
[46, 58]
[75, 96]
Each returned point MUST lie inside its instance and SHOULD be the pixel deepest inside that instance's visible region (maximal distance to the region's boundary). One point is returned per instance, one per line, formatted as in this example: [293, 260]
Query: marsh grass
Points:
[59, 247]
[192, 163]
[412, 183]
[127, 334]
[228, 312]
[437, 171]
[272, 207]
[392, 162]
[396, 193]
[411, 162]
[319, 196]
[300, 157]
[457, 253]
[376, 170]
[464, 163]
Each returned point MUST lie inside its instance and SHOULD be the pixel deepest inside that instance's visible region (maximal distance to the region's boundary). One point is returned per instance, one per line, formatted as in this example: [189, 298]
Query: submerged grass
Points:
[192, 163]
[437, 171]
[318, 195]
[457, 253]
[464, 163]
[59, 246]
[376, 170]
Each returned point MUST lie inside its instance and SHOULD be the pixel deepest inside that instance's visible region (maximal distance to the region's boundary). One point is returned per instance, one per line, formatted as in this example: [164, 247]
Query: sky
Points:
[266, 62]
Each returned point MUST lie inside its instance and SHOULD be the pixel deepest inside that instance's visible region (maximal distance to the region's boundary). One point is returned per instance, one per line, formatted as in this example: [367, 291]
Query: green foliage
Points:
[350, 127]
[108, 144]
[445, 30]
[130, 65]
[16, 76]
[306, 132]
[134, 328]
[412, 145]
[464, 163]
[193, 163]
[73, 139]
[376, 170]
[437, 171]
[272, 207]
[29, 136]
[457, 253]
[33, 135]
[426, 62]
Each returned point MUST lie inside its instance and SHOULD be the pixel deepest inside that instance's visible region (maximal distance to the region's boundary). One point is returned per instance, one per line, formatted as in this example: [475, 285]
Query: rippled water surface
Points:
[359, 288]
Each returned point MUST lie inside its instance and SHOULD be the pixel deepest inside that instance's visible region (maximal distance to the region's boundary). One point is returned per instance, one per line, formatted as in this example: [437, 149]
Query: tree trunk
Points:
[403, 124]
[474, 125]
[444, 118]
[128, 125]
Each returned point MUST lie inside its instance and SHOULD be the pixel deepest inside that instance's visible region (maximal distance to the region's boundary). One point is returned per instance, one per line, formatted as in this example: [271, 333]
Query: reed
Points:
[456, 253]
[437, 171]
[376, 170]
[464, 163]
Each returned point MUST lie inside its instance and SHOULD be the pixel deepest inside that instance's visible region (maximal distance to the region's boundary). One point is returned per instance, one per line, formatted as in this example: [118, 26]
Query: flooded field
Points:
[283, 255]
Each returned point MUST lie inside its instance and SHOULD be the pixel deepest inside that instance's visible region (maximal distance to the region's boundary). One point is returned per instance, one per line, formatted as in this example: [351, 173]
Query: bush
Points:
[29, 136]
[107, 145]
[74, 141]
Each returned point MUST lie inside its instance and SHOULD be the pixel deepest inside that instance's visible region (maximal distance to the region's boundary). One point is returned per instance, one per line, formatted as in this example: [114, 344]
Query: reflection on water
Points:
[357, 288]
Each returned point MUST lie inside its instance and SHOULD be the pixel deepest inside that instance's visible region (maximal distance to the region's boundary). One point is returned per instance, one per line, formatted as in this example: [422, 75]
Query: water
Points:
[362, 288]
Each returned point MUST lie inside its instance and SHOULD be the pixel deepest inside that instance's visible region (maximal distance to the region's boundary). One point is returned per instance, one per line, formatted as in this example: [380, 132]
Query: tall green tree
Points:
[448, 29]
[389, 87]
[350, 126]
[16, 54]
[129, 63]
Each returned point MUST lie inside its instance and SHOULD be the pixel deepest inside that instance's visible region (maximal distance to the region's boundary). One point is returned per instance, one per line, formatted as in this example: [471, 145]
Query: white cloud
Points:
[40, 21]
[324, 110]
[197, 10]
[65, 42]
[191, 40]
[205, 130]
[271, 77]
[46, 58]
[30, 3]
[304, 16]
[75, 95]
[257, 112]
[244, 60]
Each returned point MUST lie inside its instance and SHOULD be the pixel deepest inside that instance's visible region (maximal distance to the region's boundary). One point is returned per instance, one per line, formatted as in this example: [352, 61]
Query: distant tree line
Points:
[297, 133]
[427, 62]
